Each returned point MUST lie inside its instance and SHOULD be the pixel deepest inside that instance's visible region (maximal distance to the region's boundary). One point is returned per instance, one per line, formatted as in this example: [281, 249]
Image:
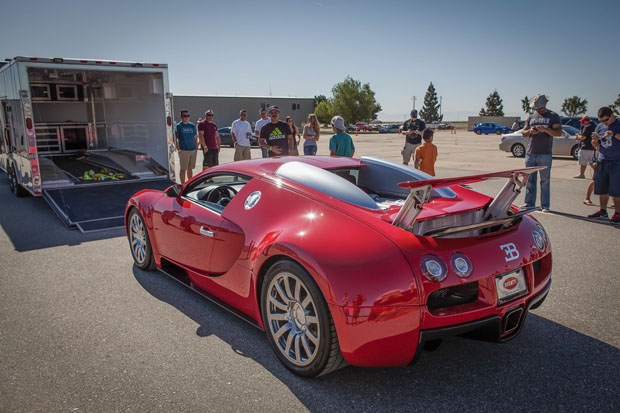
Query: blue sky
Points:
[302, 48]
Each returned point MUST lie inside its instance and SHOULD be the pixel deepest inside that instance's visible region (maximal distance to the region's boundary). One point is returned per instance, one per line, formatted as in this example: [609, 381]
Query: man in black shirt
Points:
[586, 151]
[412, 129]
[276, 136]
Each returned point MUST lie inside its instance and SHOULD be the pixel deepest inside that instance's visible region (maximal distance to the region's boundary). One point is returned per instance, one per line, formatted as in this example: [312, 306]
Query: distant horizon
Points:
[302, 49]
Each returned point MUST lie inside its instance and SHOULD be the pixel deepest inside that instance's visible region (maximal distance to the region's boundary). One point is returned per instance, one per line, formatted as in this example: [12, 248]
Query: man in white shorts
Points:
[186, 142]
[241, 131]
[586, 151]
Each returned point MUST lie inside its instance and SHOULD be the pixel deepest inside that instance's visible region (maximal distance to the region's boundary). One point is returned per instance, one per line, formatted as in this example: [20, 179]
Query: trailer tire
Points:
[14, 186]
[139, 241]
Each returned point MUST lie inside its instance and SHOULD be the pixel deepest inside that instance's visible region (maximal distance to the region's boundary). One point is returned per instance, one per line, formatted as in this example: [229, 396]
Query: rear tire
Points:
[139, 241]
[497, 131]
[14, 185]
[574, 152]
[518, 150]
[297, 321]
[478, 132]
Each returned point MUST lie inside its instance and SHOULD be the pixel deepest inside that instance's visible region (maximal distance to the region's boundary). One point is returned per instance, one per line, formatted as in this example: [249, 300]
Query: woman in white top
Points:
[311, 134]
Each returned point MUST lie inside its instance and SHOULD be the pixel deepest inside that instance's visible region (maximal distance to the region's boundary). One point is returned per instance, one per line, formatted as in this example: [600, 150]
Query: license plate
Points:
[510, 286]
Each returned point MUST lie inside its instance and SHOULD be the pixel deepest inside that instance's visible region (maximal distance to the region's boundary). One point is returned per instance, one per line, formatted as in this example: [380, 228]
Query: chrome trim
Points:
[206, 232]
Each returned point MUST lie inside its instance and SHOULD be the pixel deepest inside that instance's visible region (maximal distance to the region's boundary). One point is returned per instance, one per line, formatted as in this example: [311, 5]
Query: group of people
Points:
[600, 148]
[419, 144]
[275, 138]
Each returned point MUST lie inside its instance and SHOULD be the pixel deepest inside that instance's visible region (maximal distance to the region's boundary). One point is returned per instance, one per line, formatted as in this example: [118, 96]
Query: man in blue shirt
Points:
[607, 174]
[186, 141]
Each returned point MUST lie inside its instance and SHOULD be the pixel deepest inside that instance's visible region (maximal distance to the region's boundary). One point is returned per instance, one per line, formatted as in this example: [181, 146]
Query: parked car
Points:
[565, 145]
[226, 138]
[363, 127]
[490, 127]
[574, 121]
[389, 128]
[368, 263]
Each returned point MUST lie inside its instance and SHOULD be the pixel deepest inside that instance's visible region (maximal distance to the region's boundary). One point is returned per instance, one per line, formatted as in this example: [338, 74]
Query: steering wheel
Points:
[221, 195]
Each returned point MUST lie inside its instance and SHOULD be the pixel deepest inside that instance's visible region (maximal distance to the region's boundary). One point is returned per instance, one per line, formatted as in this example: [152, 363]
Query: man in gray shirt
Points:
[540, 127]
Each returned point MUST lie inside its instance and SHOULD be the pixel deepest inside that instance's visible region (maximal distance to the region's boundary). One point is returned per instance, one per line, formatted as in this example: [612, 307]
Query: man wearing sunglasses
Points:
[276, 136]
[209, 140]
[186, 141]
[607, 173]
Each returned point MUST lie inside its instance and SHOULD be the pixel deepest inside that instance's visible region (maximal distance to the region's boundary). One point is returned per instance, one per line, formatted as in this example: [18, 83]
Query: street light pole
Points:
[414, 99]
[440, 99]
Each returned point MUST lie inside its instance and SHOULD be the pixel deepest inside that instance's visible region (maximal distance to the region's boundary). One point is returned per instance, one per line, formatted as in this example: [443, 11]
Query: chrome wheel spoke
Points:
[282, 294]
[277, 316]
[287, 287]
[289, 341]
[297, 290]
[306, 345]
[306, 302]
[310, 319]
[297, 352]
[312, 337]
[286, 327]
[277, 303]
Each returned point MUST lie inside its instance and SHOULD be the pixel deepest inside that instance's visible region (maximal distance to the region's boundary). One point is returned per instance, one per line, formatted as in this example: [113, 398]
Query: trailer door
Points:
[97, 207]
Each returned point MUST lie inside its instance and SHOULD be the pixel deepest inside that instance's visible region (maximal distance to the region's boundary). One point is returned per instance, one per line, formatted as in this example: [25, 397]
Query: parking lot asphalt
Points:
[82, 329]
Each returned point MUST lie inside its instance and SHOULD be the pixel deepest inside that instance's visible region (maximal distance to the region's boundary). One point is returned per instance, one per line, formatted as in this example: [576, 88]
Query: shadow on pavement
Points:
[586, 219]
[31, 224]
[547, 368]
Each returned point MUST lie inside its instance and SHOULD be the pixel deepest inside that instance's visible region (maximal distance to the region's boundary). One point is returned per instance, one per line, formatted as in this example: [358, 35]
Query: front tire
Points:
[518, 150]
[574, 152]
[14, 185]
[478, 132]
[498, 132]
[139, 241]
[297, 321]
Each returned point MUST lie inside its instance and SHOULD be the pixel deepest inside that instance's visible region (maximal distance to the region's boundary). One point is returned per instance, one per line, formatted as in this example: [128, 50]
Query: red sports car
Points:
[340, 260]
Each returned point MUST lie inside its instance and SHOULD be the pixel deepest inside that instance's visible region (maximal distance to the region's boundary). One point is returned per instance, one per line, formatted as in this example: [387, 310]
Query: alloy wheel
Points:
[137, 238]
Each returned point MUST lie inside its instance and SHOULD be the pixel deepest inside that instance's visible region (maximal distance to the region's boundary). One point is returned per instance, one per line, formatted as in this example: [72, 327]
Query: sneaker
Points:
[526, 206]
[544, 210]
[615, 218]
[601, 213]
[580, 176]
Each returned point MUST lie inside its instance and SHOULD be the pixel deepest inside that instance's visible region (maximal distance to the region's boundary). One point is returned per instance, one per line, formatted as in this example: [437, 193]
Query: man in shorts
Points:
[209, 140]
[241, 131]
[586, 151]
[186, 142]
[607, 171]
[412, 129]
[257, 127]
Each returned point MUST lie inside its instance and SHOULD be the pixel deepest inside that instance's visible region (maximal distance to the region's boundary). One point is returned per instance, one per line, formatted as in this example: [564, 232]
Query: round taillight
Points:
[461, 264]
[539, 240]
[433, 268]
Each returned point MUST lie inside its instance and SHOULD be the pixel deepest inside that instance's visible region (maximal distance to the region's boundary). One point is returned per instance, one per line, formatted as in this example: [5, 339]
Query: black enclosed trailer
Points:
[85, 134]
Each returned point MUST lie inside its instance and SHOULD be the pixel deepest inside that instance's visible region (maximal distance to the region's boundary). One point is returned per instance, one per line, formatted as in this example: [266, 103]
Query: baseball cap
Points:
[584, 119]
[414, 113]
[338, 123]
[427, 133]
[274, 108]
[539, 101]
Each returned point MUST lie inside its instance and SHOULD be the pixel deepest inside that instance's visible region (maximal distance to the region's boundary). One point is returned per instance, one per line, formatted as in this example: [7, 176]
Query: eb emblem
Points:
[510, 250]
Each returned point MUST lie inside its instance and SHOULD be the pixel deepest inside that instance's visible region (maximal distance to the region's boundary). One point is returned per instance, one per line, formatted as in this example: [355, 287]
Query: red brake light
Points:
[28, 123]
[169, 121]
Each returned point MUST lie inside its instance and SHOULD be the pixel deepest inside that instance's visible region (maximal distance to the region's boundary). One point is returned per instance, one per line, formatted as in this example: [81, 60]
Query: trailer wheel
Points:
[139, 241]
[14, 185]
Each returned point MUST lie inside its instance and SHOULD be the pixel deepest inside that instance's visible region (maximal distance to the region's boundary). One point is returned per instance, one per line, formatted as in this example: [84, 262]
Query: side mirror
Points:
[174, 191]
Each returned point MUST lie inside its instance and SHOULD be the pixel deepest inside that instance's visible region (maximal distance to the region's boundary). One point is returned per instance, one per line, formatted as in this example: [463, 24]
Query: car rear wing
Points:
[496, 212]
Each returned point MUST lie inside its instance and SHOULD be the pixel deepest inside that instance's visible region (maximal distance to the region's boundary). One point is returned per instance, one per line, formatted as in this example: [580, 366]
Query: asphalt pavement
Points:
[83, 329]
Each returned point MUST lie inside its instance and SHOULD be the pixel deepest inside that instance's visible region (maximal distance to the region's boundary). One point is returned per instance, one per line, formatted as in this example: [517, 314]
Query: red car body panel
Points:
[366, 268]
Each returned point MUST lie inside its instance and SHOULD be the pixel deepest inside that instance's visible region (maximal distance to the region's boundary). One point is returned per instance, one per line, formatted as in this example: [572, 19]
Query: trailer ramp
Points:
[97, 207]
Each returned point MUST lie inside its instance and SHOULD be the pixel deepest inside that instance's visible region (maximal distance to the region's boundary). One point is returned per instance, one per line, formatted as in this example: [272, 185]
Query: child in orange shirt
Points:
[426, 154]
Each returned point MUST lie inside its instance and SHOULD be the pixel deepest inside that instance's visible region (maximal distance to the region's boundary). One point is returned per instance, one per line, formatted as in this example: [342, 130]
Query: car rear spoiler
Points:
[496, 212]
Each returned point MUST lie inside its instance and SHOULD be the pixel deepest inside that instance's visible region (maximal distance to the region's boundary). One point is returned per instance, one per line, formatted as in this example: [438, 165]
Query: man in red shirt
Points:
[209, 140]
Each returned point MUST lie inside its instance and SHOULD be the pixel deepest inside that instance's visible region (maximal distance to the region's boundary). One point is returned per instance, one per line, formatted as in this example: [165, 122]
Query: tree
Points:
[494, 105]
[525, 104]
[430, 110]
[353, 101]
[574, 106]
[615, 107]
[318, 99]
[324, 111]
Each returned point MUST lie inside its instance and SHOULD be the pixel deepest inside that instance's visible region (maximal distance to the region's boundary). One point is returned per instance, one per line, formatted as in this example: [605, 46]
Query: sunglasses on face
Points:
[210, 114]
[185, 116]
[604, 120]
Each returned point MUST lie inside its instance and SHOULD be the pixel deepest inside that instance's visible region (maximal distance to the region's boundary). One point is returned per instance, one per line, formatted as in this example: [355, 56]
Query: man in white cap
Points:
[340, 144]
[540, 127]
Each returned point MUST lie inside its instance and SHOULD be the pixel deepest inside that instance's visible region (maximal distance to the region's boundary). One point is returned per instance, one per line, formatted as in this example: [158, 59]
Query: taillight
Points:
[28, 123]
[169, 121]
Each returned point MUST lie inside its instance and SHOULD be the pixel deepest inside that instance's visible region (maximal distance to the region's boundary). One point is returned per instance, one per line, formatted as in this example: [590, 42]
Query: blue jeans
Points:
[545, 180]
[310, 149]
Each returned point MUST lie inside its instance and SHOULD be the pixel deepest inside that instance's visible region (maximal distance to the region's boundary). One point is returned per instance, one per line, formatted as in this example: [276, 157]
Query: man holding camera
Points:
[607, 170]
[412, 129]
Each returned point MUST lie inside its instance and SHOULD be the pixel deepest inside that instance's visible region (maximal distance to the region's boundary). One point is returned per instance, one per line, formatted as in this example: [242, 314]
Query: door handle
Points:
[206, 232]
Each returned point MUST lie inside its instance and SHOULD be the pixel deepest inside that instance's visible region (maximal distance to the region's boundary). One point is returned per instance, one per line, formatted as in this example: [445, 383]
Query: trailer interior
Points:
[100, 137]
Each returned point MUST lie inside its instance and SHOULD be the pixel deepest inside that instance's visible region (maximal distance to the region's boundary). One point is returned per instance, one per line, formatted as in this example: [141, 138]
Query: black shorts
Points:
[211, 158]
[607, 178]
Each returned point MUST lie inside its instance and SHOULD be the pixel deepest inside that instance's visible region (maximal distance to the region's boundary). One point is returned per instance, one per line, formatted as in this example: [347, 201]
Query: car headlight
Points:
[539, 240]
[433, 268]
[461, 265]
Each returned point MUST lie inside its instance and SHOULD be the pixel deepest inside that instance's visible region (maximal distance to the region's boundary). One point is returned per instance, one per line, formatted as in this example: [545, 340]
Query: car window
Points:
[215, 191]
